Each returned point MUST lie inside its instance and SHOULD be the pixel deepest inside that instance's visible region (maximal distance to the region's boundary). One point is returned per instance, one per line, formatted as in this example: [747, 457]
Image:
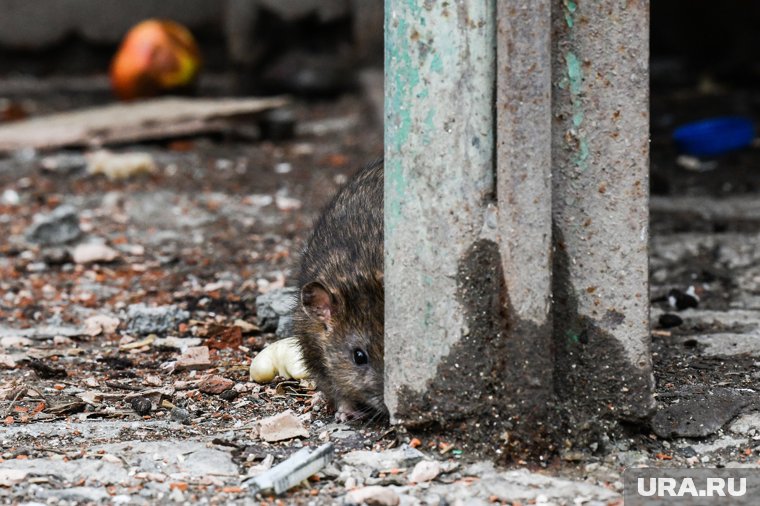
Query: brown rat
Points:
[340, 314]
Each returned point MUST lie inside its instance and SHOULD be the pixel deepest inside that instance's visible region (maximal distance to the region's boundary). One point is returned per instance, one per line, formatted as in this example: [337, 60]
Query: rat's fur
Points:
[341, 305]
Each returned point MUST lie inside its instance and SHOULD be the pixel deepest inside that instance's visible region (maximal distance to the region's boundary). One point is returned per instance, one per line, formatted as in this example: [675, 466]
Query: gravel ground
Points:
[128, 318]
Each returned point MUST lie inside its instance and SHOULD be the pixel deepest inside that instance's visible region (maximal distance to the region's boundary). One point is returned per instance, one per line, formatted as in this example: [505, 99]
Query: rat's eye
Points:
[360, 357]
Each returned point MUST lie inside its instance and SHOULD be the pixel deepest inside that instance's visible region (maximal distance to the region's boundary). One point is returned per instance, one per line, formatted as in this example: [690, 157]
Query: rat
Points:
[339, 317]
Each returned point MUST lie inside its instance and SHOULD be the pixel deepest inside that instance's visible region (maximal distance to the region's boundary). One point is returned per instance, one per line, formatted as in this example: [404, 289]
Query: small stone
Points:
[215, 384]
[229, 395]
[10, 197]
[194, 358]
[143, 319]
[274, 306]
[424, 471]
[281, 427]
[7, 361]
[141, 405]
[374, 495]
[93, 252]
[670, 320]
[100, 324]
[180, 415]
[59, 227]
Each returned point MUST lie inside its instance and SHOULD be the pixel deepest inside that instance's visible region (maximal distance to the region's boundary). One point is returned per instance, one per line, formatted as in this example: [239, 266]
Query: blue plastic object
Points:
[714, 136]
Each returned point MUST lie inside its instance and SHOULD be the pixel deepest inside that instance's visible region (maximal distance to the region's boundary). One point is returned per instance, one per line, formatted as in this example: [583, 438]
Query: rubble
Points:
[59, 227]
[274, 309]
[193, 358]
[142, 319]
[281, 427]
[93, 252]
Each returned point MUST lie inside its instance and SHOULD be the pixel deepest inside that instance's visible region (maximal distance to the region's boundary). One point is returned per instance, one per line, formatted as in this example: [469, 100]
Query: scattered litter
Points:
[714, 136]
[134, 345]
[683, 300]
[695, 164]
[155, 57]
[294, 470]
[118, 166]
[280, 427]
[281, 358]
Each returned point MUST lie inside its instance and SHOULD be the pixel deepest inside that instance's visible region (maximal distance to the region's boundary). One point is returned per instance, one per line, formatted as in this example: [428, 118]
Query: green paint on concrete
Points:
[569, 9]
[583, 153]
[574, 73]
[436, 65]
[577, 118]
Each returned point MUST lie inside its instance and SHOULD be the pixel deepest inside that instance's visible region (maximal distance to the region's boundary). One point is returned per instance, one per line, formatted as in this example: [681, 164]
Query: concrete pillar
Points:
[516, 216]
[523, 156]
[600, 151]
[439, 179]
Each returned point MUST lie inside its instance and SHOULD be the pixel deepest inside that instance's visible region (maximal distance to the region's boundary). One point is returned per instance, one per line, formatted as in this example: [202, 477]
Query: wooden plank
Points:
[131, 122]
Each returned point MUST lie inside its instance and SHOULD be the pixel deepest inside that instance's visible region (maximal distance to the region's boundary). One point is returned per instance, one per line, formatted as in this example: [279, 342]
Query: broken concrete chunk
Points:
[405, 456]
[100, 324]
[143, 319]
[274, 309]
[280, 427]
[59, 227]
[194, 358]
[698, 415]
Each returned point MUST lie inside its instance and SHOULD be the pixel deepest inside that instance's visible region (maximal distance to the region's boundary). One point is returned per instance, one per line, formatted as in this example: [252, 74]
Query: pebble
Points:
[215, 384]
[59, 227]
[229, 395]
[670, 320]
[141, 405]
[425, 470]
[373, 495]
[93, 252]
[179, 414]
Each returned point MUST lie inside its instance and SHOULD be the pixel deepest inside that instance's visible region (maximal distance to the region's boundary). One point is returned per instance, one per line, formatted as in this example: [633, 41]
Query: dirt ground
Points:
[97, 406]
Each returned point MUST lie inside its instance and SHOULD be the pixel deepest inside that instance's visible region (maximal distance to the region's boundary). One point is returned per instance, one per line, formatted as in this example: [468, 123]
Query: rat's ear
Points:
[318, 303]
